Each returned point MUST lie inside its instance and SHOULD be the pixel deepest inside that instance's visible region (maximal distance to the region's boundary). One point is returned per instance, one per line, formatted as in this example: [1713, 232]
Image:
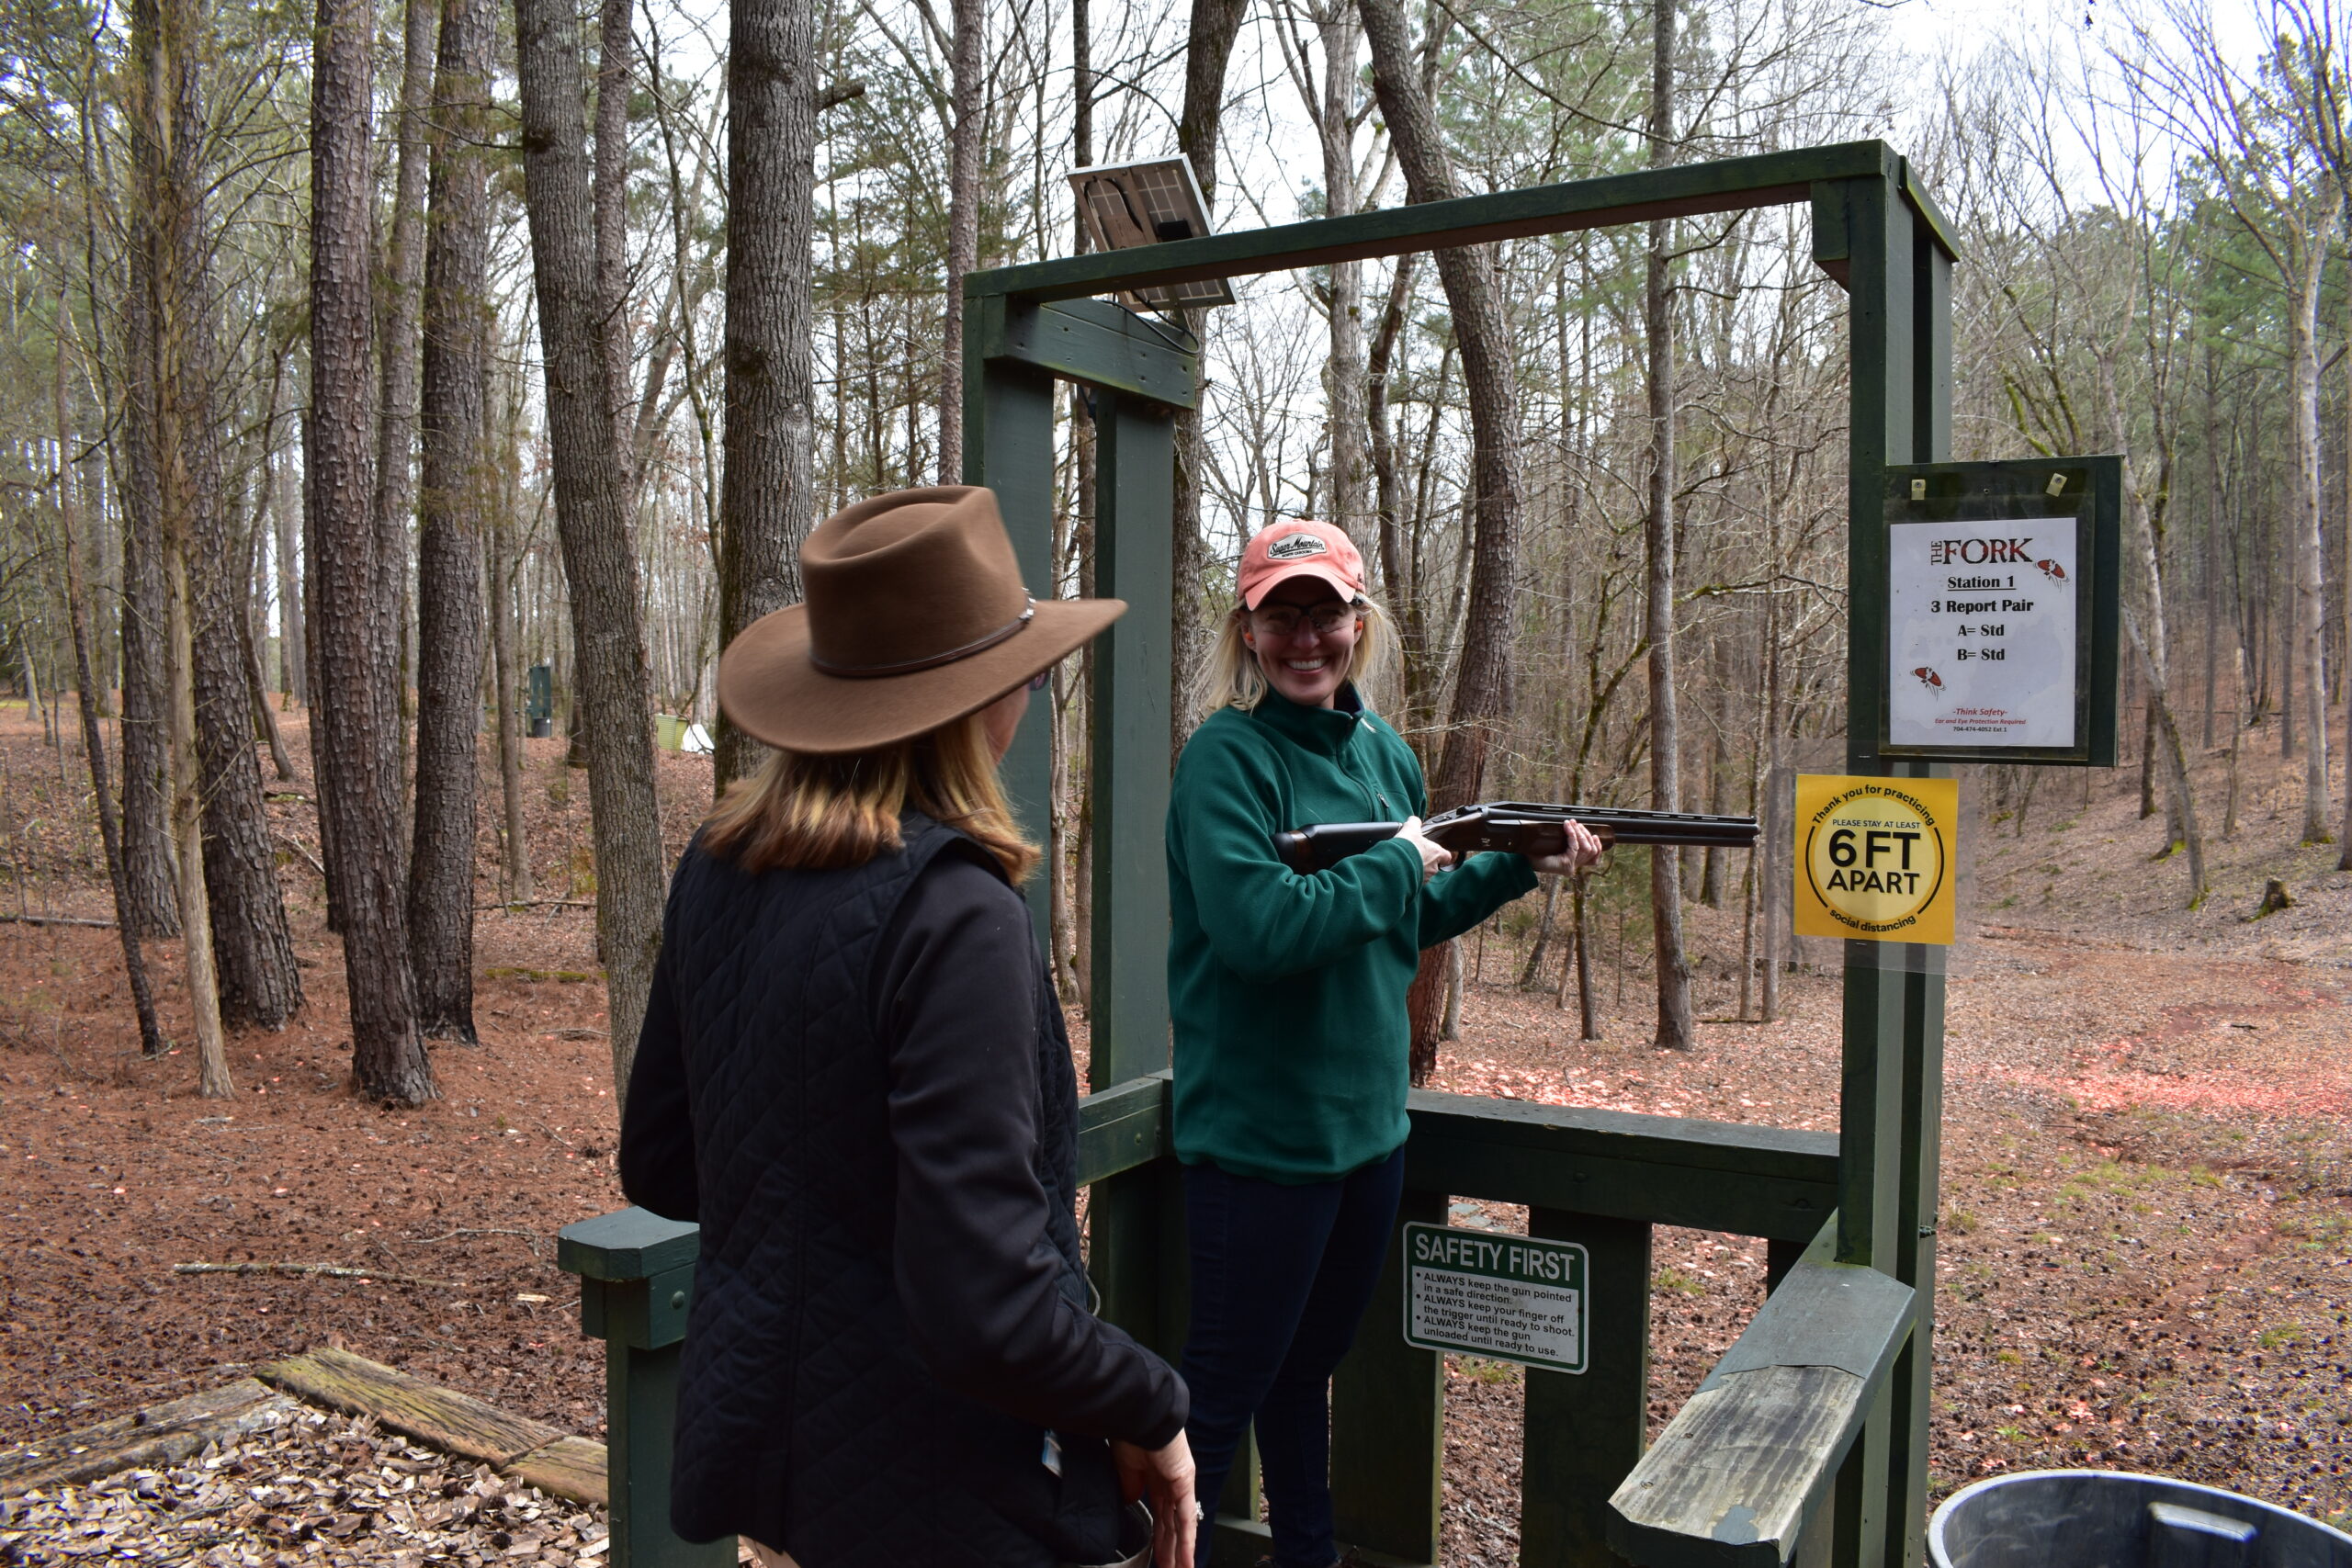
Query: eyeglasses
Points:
[1284, 621]
[1041, 679]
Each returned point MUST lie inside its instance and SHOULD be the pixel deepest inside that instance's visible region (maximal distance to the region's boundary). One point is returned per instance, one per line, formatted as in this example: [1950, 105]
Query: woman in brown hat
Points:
[853, 1076]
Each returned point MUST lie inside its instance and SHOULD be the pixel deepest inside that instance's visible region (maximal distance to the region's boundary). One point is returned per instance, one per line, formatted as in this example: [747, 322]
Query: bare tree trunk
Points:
[1208, 49]
[174, 402]
[506, 672]
[612, 77]
[1482, 691]
[293, 668]
[768, 480]
[187, 826]
[353, 704]
[1674, 1031]
[2310, 562]
[451, 504]
[394, 499]
[1330, 100]
[592, 520]
[94, 742]
[968, 21]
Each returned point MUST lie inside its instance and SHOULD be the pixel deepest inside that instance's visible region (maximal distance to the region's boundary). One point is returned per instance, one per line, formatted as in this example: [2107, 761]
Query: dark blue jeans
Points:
[1281, 1275]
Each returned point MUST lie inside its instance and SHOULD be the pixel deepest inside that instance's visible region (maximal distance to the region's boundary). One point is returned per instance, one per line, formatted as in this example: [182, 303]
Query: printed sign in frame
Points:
[1513, 1298]
[2001, 611]
[1875, 858]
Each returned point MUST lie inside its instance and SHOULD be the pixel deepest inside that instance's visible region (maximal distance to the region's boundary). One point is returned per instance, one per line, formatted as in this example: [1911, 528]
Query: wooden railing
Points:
[1757, 1470]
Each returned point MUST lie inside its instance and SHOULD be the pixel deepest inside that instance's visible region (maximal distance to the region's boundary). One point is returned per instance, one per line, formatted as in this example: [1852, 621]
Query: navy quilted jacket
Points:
[857, 1083]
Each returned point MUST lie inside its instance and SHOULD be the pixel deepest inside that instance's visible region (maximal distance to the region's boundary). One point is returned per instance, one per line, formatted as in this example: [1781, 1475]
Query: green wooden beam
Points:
[1104, 345]
[1728, 185]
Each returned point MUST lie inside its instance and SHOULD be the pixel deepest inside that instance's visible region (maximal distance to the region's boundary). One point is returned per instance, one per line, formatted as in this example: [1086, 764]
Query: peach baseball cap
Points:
[1300, 549]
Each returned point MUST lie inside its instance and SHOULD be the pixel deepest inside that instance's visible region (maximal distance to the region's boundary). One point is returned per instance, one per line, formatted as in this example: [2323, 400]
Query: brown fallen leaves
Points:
[323, 1492]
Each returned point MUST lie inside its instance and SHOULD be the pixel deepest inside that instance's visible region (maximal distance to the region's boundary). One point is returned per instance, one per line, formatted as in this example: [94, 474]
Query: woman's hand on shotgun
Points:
[1582, 850]
[1164, 1478]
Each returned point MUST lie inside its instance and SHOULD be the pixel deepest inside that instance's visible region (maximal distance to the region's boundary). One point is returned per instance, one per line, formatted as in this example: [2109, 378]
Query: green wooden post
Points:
[1584, 1432]
[1009, 447]
[1899, 280]
[637, 1279]
[1136, 1218]
[1135, 519]
[1388, 1418]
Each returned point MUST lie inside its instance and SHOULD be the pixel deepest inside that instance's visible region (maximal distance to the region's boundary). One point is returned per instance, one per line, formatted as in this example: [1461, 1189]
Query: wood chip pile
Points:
[320, 1491]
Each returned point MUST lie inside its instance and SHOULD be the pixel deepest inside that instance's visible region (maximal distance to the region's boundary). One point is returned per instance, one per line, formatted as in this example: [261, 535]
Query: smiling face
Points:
[1304, 664]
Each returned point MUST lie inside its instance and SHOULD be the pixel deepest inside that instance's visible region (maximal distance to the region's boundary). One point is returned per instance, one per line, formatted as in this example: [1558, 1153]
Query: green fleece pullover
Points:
[1287, 992]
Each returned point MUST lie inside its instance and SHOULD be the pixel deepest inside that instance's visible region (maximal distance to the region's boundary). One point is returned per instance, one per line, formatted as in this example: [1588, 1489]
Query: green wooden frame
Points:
[1830, 1380]
[1879, 234]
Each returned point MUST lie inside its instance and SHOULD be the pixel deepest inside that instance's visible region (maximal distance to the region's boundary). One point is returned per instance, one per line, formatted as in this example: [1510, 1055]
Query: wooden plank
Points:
[627, 1244]
[569, 1467]
[1121, 1128]
[1104, 345]
[1734, 1148]
[443, 1418]
[146, 1439]
[1732, 1479]
[1586, 1431]
[1725, 185]
[1620, 1188]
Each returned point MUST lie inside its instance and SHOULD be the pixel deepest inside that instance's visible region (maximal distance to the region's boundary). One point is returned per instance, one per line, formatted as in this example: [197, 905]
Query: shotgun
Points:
[1518, 826]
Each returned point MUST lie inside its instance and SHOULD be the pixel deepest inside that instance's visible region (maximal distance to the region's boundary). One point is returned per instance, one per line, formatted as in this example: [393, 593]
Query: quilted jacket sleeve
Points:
[657, 1149]
[976, 1274]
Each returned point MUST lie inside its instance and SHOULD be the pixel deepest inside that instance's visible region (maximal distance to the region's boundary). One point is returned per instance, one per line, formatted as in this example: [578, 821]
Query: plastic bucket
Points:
[2108, 1518]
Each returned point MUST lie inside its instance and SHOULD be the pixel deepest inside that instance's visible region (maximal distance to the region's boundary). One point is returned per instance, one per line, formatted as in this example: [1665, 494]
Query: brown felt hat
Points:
[915, 615]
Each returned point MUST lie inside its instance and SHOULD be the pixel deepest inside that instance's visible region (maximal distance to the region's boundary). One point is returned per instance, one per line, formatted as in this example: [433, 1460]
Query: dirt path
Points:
[2146, 1215]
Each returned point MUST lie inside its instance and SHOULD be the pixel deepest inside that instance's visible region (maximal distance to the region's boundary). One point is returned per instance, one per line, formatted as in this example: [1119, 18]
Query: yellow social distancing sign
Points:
[1875, 857]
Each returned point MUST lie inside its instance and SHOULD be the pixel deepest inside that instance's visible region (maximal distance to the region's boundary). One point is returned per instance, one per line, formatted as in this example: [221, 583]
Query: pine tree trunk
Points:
[252, 949]
[1674, 1031]
[393, 503]
[353, 704]
[451, 507]
[614, 687]
[149, 865]
[768, 480]
[93, 741]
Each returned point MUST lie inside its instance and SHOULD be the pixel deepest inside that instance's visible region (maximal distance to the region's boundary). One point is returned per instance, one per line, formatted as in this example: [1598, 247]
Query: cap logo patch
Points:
[1297, 547]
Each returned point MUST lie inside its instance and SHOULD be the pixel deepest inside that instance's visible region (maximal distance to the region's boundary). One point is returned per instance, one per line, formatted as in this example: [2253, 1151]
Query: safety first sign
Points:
[1874, 857]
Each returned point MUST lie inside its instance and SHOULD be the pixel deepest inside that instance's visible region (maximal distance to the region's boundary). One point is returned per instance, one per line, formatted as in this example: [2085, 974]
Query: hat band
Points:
[908, 667]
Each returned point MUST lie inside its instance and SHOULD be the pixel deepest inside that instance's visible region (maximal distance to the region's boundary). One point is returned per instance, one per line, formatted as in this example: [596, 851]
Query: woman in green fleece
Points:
[1288, 997]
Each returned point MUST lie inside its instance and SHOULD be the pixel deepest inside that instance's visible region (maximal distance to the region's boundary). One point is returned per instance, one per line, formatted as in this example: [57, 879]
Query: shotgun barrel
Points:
[1523, 826]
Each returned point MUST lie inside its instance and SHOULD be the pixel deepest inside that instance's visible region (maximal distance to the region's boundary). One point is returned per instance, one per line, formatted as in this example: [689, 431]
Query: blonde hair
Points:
[1233, 678]
[813, 813]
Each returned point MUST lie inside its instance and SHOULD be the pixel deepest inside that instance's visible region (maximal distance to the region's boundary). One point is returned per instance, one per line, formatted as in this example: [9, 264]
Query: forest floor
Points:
[2147, 1173]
